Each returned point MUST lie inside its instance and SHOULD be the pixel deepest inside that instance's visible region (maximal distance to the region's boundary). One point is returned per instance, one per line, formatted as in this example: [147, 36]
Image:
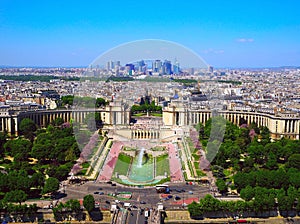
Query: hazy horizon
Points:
[231, 34]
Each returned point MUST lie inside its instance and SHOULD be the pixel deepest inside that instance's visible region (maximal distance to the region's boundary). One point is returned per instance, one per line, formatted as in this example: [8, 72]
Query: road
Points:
[147, 195]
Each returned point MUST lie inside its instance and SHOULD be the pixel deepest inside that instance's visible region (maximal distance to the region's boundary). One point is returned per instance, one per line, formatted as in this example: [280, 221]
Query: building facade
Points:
[280, 124]
[175, 116]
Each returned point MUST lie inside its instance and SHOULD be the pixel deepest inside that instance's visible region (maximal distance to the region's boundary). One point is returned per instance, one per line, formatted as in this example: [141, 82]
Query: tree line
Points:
[146, 106]
[40, 78]
[27, 160]
[86, 102]
[265, 173]
[264, 203]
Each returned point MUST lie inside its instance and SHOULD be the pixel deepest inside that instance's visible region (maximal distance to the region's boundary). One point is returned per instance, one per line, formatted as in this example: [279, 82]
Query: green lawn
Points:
[158, 148]
[125, 148]
[144, 114]
[139, 114]
[196, 157]
[122, 164]
[200, 173]
[82, 172]
[162, 165]
[85, 165]
[196, 165]
[156, 114]
[227, 172]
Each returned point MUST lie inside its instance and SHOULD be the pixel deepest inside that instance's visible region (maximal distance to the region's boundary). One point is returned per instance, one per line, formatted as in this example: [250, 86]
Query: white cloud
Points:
[245, 40]
[213, 51]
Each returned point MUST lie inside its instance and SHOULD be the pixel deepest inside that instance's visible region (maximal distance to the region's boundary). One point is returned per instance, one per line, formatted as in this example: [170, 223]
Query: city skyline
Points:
[258, 34]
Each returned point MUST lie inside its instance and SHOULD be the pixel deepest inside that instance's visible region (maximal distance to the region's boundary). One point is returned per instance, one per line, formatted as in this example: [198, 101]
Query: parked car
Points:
[177, 198]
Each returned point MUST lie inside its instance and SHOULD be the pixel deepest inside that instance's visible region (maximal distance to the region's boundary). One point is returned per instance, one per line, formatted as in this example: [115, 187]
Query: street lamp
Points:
[183, 199]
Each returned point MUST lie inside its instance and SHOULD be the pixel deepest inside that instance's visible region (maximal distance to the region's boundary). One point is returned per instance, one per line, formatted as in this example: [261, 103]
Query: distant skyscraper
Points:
[192, 71]
[129, 68]
[141, 66]
[156, 66]
[176, 68]
[110, 65]
[211, 69]
[167, 67]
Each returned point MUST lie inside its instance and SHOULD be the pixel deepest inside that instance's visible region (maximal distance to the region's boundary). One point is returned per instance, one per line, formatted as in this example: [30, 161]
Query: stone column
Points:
[16, 126]
[1, 124]
[9, 125]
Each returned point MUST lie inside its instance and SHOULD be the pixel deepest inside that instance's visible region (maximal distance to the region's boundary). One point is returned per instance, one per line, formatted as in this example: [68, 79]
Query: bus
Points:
[164, 188]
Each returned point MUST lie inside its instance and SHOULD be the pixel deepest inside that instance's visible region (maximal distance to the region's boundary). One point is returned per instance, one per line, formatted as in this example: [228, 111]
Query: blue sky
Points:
[256, 33]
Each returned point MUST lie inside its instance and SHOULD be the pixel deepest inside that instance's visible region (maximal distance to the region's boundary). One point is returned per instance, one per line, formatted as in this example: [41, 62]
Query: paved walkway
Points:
[175, 165]
[186, 201]
[110, 162]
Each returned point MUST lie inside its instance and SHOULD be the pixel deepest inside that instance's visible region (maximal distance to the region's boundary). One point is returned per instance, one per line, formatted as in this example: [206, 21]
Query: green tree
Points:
[241, 180]
[294, 161]
[18, 148]
[257, 152]
[263, 201]
[240, 206]
[285, 203]
[248, 164]
[243, 139]
[247, 193]
[72, 153]
[218, 171]
[279, 178]
[294, 178]
[58, 121]
[222, 186]
[100, 102]
[67, 100]
[74, 205]
[37, 180]
[62, 146]
[59, 172]
[15, 196]
[3, 139]
[27, 128]
[293, 192]
[195, 210]
[89, 203]
[209, 203]
[42, 151]
[200, 129]
[271, 163]
[51, 185]
[265, 135]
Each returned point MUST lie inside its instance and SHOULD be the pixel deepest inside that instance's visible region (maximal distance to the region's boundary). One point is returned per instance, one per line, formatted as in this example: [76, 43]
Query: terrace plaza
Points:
[159, 142]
